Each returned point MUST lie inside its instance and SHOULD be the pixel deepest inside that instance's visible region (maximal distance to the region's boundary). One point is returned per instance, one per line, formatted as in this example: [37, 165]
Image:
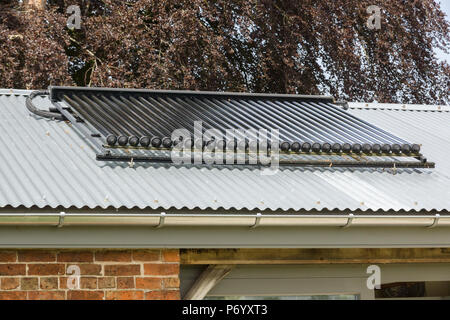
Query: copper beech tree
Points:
[308, 46]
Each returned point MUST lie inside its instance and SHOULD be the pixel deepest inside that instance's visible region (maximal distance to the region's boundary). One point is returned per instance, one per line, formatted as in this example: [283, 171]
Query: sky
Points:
[445, 5]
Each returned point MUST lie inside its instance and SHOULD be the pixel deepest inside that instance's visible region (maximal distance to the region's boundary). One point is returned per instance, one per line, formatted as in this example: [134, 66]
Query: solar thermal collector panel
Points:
[147, 119]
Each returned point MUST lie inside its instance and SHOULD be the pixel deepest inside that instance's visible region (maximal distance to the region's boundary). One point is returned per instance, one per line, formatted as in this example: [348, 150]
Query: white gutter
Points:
[251, 221]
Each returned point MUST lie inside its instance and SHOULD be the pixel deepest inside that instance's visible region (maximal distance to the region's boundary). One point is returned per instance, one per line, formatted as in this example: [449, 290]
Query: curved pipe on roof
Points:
[250, 221]
[42, 113]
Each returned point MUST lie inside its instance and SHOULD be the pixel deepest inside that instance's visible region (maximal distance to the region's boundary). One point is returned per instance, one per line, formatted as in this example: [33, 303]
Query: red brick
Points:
[84, 295]
[88, 283]
[29, 283]
[146, 255]
[46, 295]
[125, 295]
[154, 295]
[75, 256]
[107, 282]
[172, 295]
[63, 282]
[49, 283]
[122, 270]
[86, 269]
[46, 269]
[161, 269]
[148, 283]
[12, 269]
[163, 295]
[125, 283]
[171, 255]
[13, 295]
[116, 256]
[36, 256]
[10, 283]
[172, 283]
[8, 256]
[90, 269]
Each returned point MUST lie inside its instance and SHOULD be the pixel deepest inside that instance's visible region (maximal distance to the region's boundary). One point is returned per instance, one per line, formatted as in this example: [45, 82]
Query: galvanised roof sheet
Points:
[46, 164]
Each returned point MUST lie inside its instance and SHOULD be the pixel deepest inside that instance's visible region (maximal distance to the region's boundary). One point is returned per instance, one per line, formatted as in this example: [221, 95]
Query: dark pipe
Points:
[111, 139]
[285, 146]
[145, 141]
[356, 148]
[122, 140]
[406, 148]
[396, 148]
[46, 114]
[346, 147]
[295, 163]
[166, 142]
[295, 147]
[188, 143]
[133, 141]
[156, 142]
[326, 147]
[200, 144]
[336, 147]
[220, 145]
[386, 148]
[415, 148]
[376, 148]
[253, 146]
[231, 145]
[316, 147]
[367, 148]
[306, 147]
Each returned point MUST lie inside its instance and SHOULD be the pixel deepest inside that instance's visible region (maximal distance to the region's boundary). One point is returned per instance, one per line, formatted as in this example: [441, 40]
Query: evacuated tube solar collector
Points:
[308, 125]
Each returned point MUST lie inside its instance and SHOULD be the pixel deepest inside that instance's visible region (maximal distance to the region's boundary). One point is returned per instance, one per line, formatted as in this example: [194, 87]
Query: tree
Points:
[37, 4]
[309, 46]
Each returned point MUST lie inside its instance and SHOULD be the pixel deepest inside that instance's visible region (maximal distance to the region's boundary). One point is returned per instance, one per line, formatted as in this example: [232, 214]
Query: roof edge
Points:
[55, 89]
[398, 106]
[15, 92]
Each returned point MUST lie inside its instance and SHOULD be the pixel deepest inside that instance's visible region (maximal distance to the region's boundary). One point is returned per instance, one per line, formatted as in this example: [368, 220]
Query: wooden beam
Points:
[207, 280]
[315, 256]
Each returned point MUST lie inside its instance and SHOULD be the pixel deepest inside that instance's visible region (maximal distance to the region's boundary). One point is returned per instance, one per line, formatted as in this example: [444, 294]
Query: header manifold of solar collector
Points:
[138, 125]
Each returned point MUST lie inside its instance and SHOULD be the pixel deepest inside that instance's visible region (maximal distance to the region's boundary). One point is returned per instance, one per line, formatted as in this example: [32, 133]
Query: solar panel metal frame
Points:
[106, 153]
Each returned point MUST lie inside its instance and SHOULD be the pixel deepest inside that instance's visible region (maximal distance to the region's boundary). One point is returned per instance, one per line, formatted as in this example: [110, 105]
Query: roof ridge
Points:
[398, 106]
[15, 92]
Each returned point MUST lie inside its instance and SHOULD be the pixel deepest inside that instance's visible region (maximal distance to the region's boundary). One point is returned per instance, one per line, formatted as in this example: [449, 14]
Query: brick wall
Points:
[104, 274]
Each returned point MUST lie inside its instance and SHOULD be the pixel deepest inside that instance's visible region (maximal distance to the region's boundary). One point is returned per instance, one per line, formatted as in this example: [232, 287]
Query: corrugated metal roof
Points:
[45, 163]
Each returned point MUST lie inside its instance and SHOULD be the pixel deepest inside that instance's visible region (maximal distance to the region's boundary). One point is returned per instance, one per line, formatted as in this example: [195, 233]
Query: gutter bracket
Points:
[61, 219]
[257, 221]
[435, 222]
[161, 220]
[349, 221]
